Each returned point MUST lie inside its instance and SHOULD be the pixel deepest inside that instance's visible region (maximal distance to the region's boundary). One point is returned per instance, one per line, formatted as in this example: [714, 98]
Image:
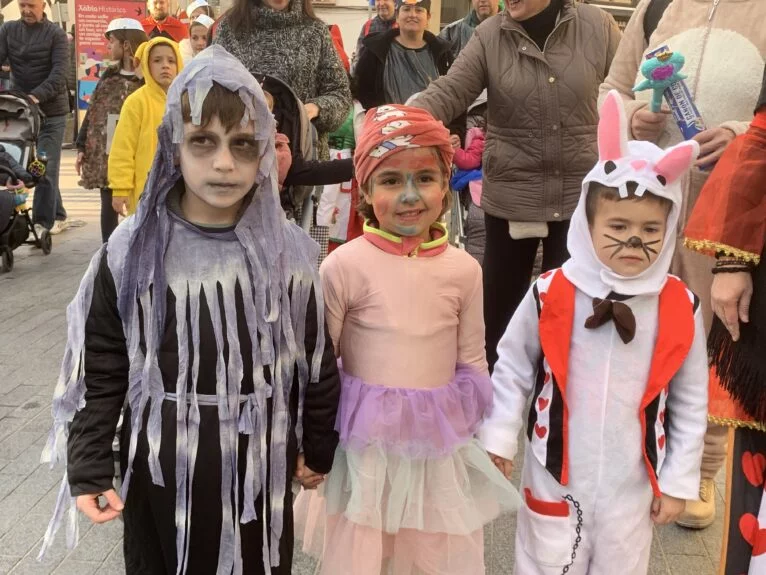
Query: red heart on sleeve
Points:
[547, 377]
[661, 442]
[542, 403]
[540, 430]
[546, 275]
[754, 468]
[662, 416]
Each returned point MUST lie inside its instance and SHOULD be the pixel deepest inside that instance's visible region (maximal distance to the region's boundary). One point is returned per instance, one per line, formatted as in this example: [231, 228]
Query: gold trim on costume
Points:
[710, 248]
[730, 422]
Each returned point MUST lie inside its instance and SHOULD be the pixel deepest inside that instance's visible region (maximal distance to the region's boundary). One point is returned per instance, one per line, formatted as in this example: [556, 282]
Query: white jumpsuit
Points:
[603, 526]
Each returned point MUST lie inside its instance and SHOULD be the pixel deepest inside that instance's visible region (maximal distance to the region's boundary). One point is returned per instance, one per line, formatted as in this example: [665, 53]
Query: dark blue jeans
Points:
[47, 205]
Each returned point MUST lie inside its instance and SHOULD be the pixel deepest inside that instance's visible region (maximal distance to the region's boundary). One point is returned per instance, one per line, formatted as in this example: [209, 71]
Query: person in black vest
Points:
[38, 53]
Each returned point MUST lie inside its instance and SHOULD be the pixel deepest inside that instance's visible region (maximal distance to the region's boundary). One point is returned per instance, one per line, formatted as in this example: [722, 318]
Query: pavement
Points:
[33, 300]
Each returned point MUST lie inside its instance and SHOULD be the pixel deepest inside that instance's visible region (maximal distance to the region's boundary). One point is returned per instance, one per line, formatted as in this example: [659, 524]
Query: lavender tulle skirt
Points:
[410, 489]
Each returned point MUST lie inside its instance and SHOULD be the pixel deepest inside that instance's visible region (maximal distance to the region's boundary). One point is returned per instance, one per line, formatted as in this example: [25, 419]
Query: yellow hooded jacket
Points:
[135, 138]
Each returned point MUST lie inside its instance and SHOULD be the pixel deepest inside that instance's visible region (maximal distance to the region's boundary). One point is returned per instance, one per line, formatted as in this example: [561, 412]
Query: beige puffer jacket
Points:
[542, 112]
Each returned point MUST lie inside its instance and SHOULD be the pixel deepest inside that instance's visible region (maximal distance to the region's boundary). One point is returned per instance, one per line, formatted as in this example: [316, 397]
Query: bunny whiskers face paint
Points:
[633, 242]
[628, 234]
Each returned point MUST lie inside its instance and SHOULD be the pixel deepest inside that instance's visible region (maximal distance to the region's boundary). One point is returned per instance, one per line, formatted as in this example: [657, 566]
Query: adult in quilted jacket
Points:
[541, 62]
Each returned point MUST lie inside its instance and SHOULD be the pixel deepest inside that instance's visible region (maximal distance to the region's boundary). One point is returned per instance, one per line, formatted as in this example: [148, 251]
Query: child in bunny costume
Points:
[612, 350]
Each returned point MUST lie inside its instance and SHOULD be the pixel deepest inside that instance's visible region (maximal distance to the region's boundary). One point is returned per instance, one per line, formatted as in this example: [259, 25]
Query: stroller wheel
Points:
[7, 257]
[46, 242]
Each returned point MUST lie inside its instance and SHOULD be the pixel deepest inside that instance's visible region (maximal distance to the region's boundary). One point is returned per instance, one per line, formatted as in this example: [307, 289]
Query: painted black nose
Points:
[634, 242]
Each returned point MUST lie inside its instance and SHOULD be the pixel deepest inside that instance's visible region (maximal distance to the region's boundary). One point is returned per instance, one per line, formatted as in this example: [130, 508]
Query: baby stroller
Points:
[20, 170]
[292, 121]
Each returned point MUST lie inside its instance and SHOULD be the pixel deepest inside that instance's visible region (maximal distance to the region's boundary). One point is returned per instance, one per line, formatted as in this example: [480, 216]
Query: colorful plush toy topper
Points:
[661, 72]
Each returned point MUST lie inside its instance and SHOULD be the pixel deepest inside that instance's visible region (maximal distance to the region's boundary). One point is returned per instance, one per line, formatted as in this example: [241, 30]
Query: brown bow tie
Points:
[621, 314]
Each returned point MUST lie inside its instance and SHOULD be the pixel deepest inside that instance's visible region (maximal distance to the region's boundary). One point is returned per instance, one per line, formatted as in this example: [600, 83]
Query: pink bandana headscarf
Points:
[393, 128]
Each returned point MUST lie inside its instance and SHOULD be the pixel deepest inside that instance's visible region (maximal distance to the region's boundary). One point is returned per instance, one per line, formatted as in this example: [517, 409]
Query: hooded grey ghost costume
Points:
[215, 341]
[612, 424]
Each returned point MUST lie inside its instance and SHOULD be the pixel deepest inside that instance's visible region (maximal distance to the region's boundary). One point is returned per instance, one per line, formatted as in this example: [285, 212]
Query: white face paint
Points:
[407, 192]
[219, 169]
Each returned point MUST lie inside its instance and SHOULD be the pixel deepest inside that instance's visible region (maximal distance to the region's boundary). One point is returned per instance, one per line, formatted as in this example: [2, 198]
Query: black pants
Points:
[108, 215]
[507, 269]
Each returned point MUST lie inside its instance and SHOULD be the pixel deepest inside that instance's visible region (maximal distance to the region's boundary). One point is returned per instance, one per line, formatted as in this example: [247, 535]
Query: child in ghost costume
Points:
[611, 349]
[203, 315]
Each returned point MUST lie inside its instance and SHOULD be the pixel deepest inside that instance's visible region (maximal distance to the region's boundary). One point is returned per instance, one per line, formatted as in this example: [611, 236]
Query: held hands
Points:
[89, 505]
[712, 143]
[730, 294]
[454, 139]
[504, 465]
[120, 205]
[666, 509]
[308, 478]
[647, 125]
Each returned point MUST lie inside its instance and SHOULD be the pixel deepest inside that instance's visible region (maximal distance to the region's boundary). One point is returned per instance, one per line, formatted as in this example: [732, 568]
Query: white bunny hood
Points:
[621, 161]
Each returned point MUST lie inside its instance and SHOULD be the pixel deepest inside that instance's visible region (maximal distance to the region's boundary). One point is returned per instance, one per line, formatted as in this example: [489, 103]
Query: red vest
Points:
[674, 340]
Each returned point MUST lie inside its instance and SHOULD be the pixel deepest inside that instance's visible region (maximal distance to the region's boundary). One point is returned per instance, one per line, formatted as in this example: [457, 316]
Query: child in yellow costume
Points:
[135, 138]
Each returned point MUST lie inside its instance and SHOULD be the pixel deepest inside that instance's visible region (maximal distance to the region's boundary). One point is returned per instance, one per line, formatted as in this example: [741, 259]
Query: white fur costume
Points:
[612, 424]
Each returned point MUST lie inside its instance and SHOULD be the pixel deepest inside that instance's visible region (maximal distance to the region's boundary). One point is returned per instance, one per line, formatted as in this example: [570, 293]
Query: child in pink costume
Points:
[411, 489]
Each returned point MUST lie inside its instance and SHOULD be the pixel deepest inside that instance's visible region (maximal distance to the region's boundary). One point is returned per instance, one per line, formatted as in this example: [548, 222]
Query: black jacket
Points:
[368, 86]
[39, 58]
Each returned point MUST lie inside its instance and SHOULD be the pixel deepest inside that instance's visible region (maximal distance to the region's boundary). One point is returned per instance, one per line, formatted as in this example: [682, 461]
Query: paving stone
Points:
[98, 543]
[25, 535]
[19, 395]
[657, 563]
[30, 566]
[19, 444]
[115, 562]
[9, 482]
[70, 567]
[690, 565]
[4, 411]
[679, 541]
[32, 407]
[9, 425]
[14, 507]
[41, 480]
[7, 563]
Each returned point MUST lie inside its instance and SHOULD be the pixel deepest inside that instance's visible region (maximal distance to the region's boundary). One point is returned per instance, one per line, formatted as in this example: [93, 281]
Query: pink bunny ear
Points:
[677, 160]
[612, 129]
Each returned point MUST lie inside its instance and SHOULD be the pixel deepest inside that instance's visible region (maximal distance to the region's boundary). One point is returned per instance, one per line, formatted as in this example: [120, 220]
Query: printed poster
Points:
[92, 17]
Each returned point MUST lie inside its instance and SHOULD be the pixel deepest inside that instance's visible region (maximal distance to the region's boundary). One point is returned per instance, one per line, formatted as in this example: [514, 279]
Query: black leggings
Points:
[108, 215]
[507, 269]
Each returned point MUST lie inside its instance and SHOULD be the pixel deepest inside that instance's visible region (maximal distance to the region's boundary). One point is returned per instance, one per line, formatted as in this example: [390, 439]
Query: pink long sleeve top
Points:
[402, 314]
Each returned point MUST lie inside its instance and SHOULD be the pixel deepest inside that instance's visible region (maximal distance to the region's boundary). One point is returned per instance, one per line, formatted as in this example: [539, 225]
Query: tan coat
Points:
[542, 113]
[724, 63]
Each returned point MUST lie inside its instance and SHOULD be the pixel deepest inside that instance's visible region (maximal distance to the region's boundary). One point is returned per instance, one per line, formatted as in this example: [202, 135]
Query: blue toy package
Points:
[680, 101]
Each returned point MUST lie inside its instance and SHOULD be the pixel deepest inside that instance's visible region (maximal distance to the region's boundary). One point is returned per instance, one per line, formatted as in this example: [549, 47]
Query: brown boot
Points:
[700, 514]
